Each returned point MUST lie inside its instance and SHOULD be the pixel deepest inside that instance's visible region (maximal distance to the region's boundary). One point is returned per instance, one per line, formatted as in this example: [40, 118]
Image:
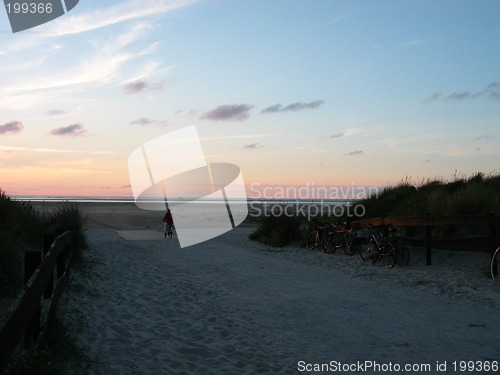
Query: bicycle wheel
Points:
[329, 244]
[311, 240]
[389, 255]
[495, 259]
[402, 255]
[350, 244]
[368, 253]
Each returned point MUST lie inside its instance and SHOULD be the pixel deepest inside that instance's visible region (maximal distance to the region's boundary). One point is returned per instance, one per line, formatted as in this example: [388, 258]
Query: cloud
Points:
[52, 150]
[434, 96]
[293, 107]
[337, 135]
[12, 127]
[139, 86]
[252, 146]
[143, 121]
[459, 95]
[123, 11]
[74, 130]
[56, 112]
[228, 112]
[352, 153]
[99, 66]
[491, 91]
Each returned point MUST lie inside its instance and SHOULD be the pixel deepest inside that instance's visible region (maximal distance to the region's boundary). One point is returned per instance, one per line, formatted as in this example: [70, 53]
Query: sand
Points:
[233, 306]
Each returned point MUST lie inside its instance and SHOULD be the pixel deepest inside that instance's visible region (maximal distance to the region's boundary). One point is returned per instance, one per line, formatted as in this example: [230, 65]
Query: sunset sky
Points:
[295, 92]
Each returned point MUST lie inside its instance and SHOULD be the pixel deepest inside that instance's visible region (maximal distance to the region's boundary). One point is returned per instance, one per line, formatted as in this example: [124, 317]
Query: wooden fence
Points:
[485, 243]
[46, 276]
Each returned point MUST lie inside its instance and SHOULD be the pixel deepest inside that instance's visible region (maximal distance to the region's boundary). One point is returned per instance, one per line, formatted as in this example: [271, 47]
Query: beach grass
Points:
[52, 356]
[278, 231]
[474, 195]
[477, 194]
[22, 228]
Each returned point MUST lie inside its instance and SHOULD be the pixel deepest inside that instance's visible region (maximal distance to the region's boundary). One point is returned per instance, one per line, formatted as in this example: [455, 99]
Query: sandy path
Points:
[229, 306]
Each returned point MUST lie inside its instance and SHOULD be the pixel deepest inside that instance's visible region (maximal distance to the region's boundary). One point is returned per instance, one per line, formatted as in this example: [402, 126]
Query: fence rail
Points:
[485, 244]
[46, 276]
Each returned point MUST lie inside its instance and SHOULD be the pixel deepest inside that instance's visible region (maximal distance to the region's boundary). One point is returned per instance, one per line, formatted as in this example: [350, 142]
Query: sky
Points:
[295, 92]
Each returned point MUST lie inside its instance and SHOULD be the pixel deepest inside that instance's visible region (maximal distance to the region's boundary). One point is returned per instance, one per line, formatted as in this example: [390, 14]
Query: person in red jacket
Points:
[169, 224]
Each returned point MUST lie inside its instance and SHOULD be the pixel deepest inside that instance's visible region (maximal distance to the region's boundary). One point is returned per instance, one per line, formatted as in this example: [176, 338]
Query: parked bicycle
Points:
[379, 247]
[340, 236]
[495, 259]
[402, 251]
[317, 235]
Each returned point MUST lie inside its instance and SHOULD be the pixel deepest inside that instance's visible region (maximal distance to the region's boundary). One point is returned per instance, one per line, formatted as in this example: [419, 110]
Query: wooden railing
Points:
[486, 244]
[46, 276]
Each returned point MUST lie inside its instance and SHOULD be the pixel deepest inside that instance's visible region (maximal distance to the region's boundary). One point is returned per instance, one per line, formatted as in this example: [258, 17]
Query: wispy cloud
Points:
[75, 130]
[239, 136]
[144, 121]
[293, 107]
[337, 19]
[121, 12]
[491, 91]
[100, 62]
[412, 42]
[56, 112]
[228, 112]
[139, 86]
[52, 150]
[336, 135]
[252, 146]
[352, 153]
[12, 127]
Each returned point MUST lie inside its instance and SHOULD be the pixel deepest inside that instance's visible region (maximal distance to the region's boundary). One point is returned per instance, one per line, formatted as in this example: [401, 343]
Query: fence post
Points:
[32, 259]
[48, 239]
[428, 235]
[61, 262]
[493, 231]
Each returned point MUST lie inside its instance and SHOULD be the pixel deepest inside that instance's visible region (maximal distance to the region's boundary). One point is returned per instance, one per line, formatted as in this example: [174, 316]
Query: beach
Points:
[233, 306]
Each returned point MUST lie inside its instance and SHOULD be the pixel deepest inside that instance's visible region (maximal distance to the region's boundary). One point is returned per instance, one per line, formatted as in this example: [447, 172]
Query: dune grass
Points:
[21, 228]
[474, 195]
[277, 231]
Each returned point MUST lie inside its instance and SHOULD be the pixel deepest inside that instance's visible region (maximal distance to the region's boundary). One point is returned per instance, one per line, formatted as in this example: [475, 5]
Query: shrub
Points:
[277, 231]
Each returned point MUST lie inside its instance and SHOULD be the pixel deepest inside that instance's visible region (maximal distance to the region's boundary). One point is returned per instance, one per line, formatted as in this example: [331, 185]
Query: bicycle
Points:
[340, 238]
[495, 259]
[379, 248]
[169, 230]
[402, 252]
[317, 235]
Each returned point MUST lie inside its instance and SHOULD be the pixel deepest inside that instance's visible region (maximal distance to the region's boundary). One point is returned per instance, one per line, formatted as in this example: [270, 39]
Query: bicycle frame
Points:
[382, 249]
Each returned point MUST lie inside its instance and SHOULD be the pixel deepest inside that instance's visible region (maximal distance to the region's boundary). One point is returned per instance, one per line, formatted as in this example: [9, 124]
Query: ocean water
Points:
[94, 199]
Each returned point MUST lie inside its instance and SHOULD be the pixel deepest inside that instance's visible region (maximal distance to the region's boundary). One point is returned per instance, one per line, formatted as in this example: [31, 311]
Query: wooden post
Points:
[48, 239]
[61, 262]
[493, 232]
[428, 235]
[32, 259]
